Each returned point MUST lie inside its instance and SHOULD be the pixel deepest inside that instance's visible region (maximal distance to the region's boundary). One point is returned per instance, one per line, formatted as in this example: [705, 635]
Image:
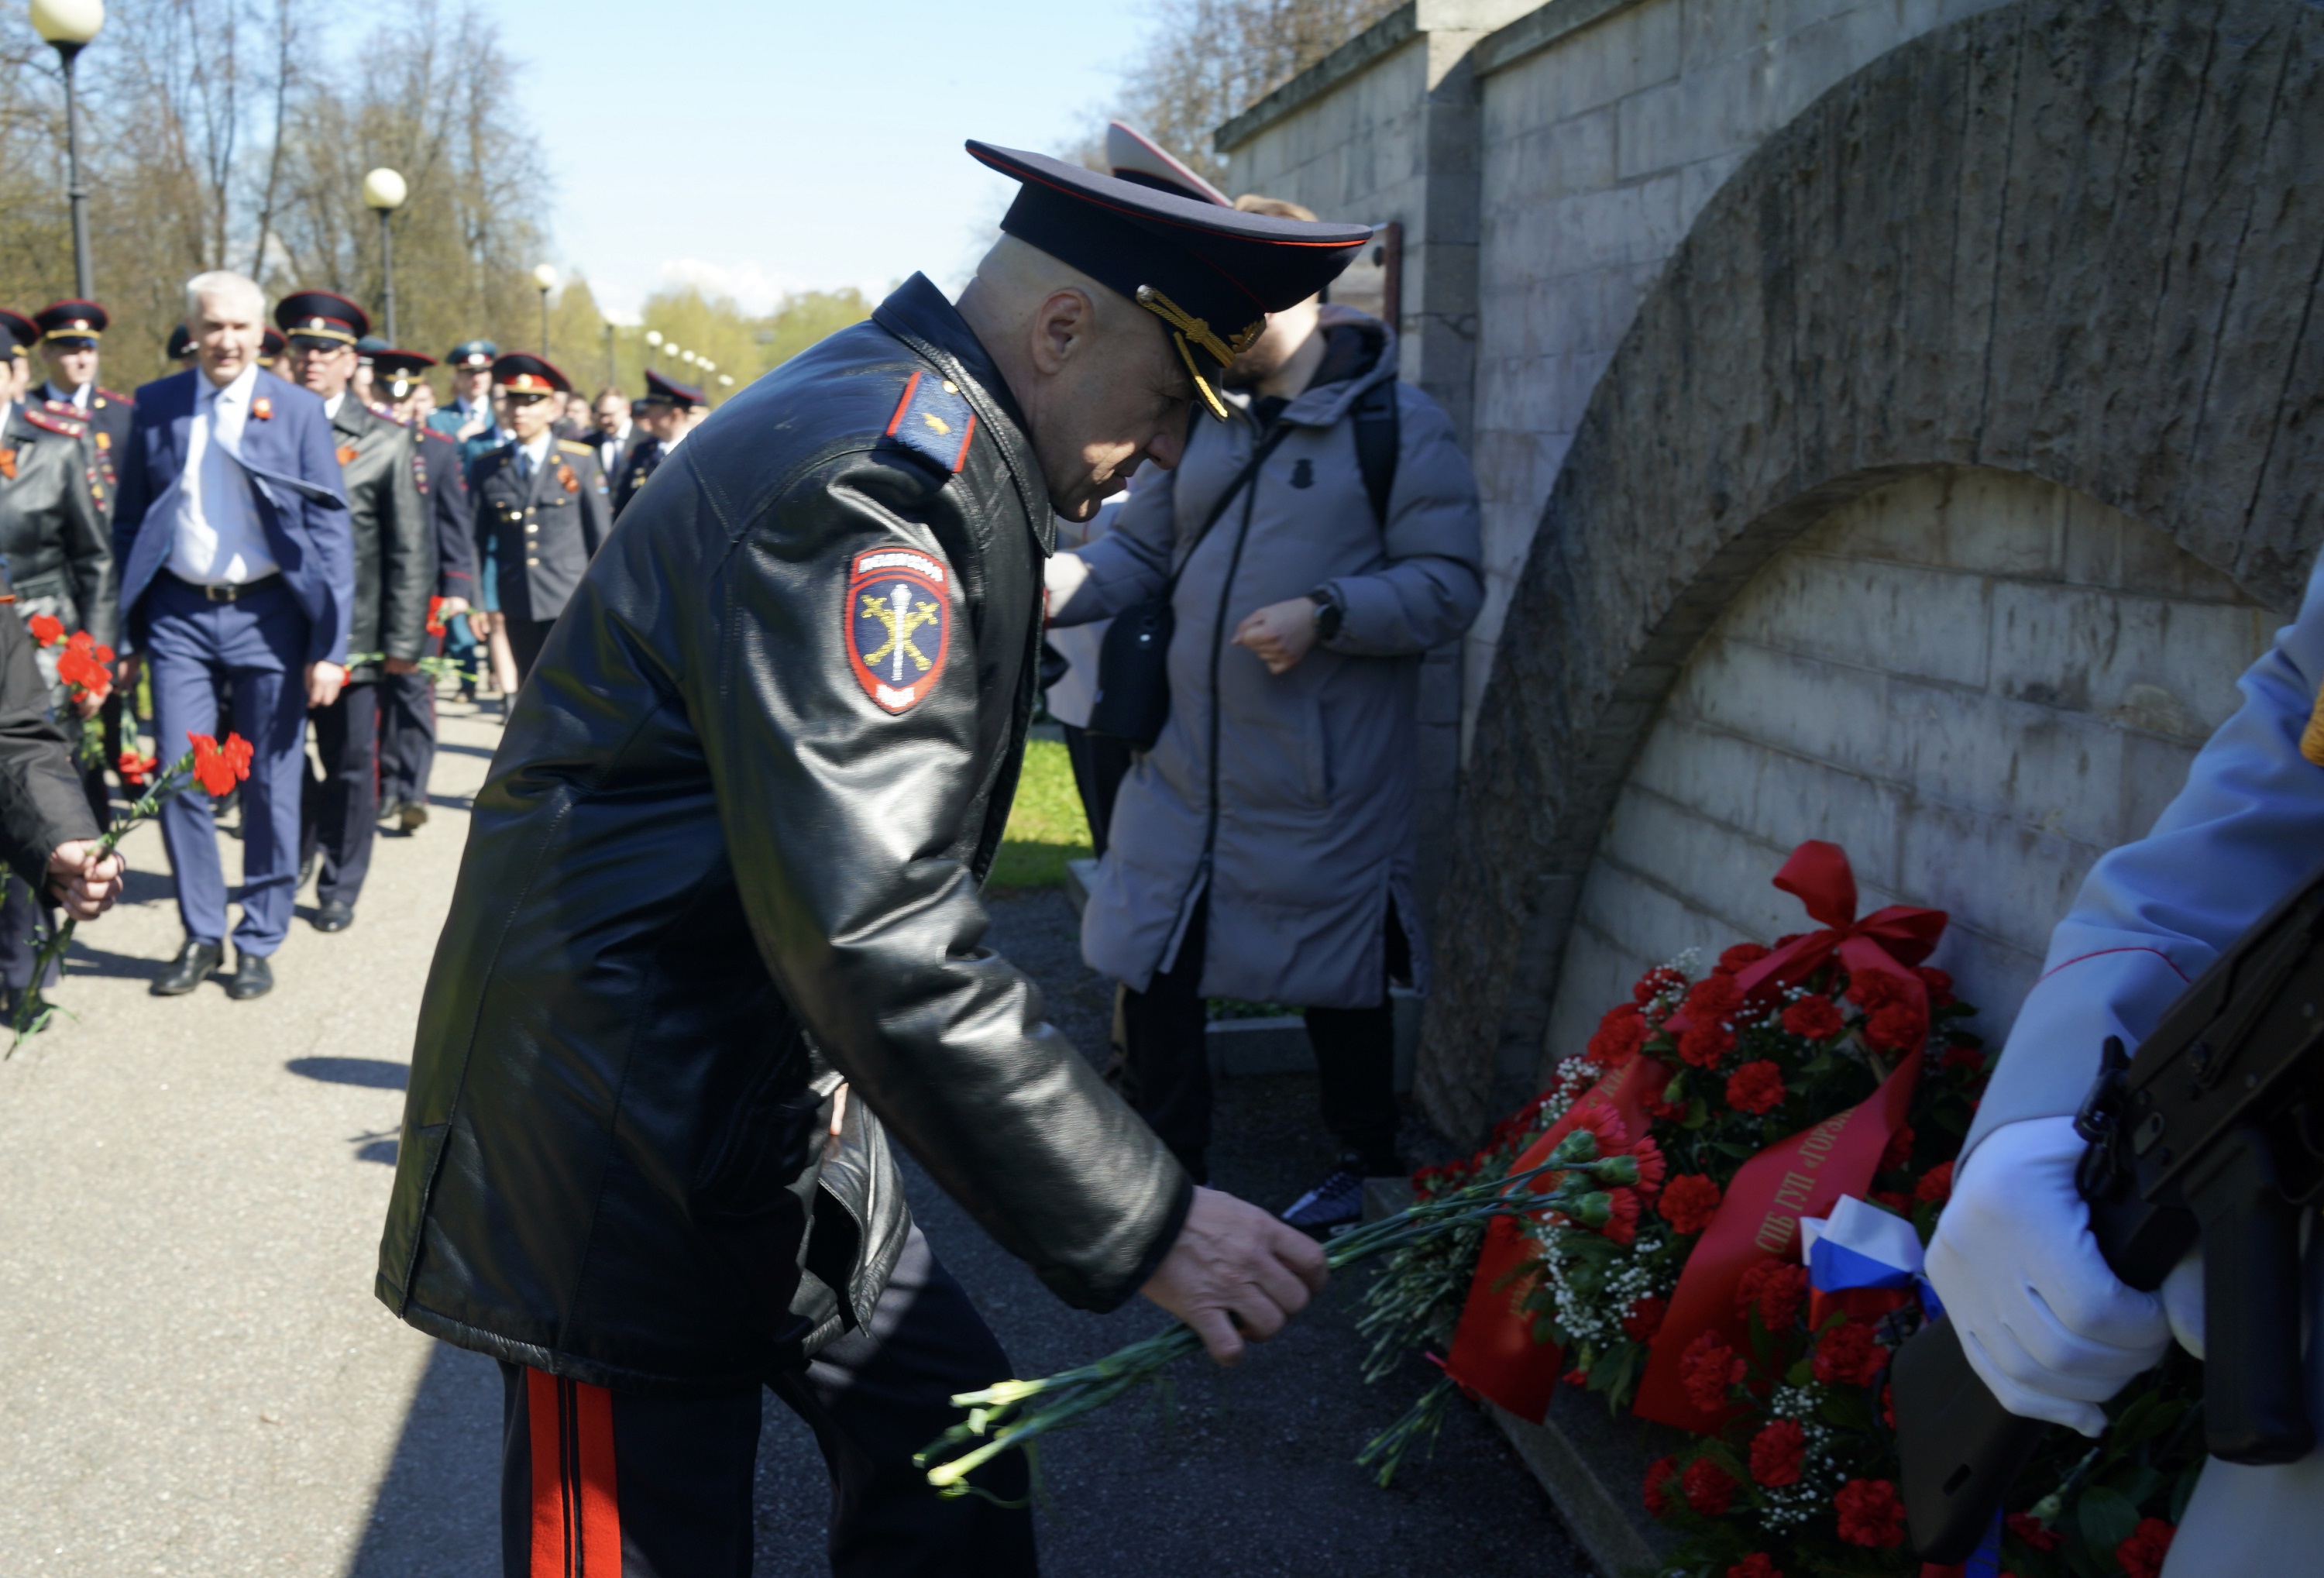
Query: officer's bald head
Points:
[1099, 383]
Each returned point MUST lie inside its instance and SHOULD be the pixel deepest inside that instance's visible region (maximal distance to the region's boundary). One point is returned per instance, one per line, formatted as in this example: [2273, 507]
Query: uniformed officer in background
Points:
[672, 411]
[541, 511]
[470, 417]
[69, 336]
[2043, 1320]
[407, 725]
[394, 574]
[181, 348]
[56, 551]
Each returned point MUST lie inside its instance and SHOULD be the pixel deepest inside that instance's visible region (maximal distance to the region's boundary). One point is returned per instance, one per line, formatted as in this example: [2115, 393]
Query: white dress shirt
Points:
[220, 541]
[331, 405]
[536, 454]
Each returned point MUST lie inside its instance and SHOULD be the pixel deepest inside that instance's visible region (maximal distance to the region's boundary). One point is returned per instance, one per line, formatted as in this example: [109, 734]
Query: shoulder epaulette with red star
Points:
[54, 423]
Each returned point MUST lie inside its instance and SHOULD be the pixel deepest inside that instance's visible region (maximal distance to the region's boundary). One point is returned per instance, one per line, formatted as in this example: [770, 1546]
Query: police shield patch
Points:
[899, 625]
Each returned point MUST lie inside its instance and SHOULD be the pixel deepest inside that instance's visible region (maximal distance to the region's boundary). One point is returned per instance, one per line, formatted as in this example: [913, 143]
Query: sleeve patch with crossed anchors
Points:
[899, 625]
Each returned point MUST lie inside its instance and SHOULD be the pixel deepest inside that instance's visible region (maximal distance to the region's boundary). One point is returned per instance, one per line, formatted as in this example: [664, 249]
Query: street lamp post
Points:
[609, 353]
[545, 276]
[653, 344]
[384, 193]
[68, 25]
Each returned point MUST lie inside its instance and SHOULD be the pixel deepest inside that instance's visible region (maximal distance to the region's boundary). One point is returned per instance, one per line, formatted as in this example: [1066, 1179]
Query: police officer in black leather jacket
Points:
[717, 930]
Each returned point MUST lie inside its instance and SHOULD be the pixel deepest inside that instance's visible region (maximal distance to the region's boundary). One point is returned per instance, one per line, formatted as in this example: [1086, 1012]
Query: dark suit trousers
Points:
[659, 1487]
[526, 637]
[340, 811]
[20, 918]
[406, 737]
[258, 646]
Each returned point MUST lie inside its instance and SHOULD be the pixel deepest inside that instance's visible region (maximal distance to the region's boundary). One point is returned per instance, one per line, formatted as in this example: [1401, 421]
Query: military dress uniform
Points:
[538, 526]
[57, 549]
[18, 334]
[394, 574]
[646, 456]
[108, 413]
[407, 735]
[729, 855]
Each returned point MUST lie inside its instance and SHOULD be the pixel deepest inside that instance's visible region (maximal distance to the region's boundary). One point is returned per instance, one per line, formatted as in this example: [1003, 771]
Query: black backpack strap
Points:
[1377, 436]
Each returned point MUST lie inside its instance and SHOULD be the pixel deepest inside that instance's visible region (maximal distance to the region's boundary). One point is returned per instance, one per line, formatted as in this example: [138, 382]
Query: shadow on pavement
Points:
[376, 1073]
[436, 1514]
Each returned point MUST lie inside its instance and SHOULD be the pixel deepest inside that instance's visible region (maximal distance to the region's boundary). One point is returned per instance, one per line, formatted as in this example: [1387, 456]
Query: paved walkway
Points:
[196, 1379]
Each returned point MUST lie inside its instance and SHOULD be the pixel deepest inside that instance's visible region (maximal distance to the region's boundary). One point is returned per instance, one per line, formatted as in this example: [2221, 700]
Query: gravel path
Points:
[197, 1379]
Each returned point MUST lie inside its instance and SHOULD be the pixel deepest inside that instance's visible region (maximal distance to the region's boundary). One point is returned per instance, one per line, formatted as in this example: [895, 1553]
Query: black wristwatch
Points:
[1328, 614]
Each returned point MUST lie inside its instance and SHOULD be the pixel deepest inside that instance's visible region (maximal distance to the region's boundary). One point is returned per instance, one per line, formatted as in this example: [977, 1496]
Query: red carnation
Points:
[1714, 997]
[1960, 1057]
[1757, 1564]
[1813, 1019]
[1936, 1185]
[47, 629]
[1873, 989]
[1776, 1290]
[1689, 1201]
[2141, 1555]
[1704, 1042]
[1619, 1036]
[1707, 1368]
[1740, 955]
[1890, 1199]
[1756, 1088]
[2032, 1531]
[135, 769]
[1708, 1488]
[1870, 1514]
[1896, 1026]
[1847, 1356]
[1899, 1151]
[435, 616]
[1646, 1318]
[1651, 1167]
[1622, 1216]
[1658, 1478]
[218, 769]
[1662, 978]
[1778, 1452]
[1576, 1378]
[1940, 985]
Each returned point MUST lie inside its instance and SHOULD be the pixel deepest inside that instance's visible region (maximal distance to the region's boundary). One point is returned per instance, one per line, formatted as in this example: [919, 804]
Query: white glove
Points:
[2043, 1320]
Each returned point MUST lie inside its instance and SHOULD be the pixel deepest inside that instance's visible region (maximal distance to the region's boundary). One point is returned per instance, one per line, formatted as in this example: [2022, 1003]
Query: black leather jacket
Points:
[711, 875]
[52, 529]
[394, 550]
[41, 801]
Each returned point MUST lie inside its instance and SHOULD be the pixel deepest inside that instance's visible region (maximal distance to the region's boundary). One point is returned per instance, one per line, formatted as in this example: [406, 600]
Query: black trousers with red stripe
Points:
[614, 1484]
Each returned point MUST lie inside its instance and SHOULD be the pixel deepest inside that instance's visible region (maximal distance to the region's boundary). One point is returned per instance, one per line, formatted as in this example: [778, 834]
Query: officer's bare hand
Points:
[87, 704]
[323, 682]
[84, 881]
[450, 607]
[401, 666]
[125, 672]
[480, 623]
[1280, 634]
[1236, 1272]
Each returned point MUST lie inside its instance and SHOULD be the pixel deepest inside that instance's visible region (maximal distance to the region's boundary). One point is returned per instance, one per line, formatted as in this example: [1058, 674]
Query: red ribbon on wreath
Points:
[1885, 945]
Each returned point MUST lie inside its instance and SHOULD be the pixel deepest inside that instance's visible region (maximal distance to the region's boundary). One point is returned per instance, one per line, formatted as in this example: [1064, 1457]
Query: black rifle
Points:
[2214, 1133]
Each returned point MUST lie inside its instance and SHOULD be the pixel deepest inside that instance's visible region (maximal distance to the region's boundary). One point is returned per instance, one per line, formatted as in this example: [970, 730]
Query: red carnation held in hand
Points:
[46, 628]
[1813, 1019]
[1776, 1452]
[1708, 1367]
[1689, 1201]
[1708, 1488]
[2141, 1555]
[217, 769]
[1847, 1356]
[1870, 1514]
[1756, 1088]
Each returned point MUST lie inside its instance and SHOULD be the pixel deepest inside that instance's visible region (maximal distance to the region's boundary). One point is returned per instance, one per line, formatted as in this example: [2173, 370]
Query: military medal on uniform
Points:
[899, 625]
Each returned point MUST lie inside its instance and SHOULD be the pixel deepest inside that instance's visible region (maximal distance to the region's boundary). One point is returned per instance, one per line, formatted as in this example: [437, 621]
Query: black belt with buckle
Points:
[229, 592]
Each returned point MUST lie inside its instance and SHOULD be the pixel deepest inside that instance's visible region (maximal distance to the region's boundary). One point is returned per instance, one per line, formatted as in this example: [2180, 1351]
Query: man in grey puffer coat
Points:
[1263, 849]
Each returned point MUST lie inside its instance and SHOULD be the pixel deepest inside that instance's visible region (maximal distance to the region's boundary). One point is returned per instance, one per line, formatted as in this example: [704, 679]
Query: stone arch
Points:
[2078, 240]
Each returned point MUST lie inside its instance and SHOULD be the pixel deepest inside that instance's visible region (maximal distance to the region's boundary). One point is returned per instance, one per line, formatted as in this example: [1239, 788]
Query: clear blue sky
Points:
[788, 144]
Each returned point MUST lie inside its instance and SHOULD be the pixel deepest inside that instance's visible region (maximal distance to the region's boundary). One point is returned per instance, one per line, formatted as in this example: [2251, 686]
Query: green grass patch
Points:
[1045, 826]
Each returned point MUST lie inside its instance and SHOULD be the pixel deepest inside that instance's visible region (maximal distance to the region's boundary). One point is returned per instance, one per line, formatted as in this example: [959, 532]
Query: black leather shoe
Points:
[412, 814]
[335, 916]
[252, 977]
[189, 969]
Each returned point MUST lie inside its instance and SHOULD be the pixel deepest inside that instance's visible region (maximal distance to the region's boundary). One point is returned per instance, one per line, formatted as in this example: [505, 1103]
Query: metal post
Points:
[609, 353]
[544, 323]
[76, 194]
[387, 274]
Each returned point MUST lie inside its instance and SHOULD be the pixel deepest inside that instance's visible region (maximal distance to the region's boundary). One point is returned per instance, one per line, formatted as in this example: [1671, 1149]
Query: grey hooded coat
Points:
[1301, 830]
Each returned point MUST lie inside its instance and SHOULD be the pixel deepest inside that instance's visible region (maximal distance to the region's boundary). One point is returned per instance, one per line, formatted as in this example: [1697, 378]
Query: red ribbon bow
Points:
[1888, 943]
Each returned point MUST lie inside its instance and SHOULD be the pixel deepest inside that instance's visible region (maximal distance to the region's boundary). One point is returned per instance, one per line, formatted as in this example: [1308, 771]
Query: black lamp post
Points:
[384, 193]
[545, 276]
[68, 25]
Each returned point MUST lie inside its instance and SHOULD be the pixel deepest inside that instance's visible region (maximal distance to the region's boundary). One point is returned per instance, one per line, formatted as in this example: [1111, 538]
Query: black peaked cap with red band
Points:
[1210, 274]
[399, 369]
[19, 328]
[661, 390]
[322, 317]
[522, 372]
[73, 321]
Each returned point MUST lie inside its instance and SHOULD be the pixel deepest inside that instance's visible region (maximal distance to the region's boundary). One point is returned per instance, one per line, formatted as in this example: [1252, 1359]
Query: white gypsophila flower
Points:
[1789, 1505]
